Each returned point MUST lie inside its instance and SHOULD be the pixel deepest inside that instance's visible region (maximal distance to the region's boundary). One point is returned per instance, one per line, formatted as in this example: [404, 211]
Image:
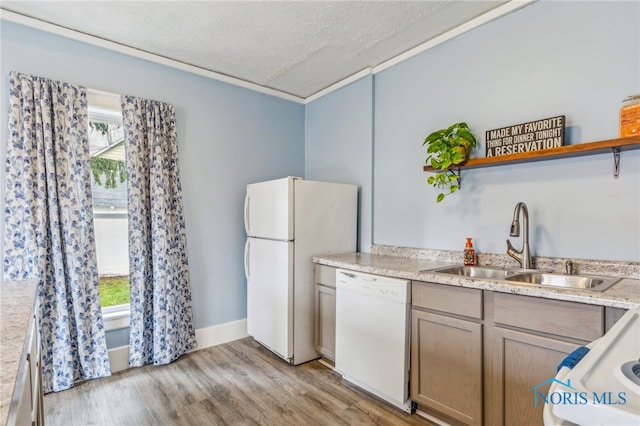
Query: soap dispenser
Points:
[469, 253]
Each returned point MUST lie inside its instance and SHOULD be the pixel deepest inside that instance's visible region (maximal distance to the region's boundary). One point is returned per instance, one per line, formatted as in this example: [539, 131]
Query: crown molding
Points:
[354, 77]
[496, 13]
[505, 9]
[141, 54]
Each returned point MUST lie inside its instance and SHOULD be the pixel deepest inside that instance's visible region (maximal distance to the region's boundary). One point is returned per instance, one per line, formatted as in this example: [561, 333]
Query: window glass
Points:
[109, 190]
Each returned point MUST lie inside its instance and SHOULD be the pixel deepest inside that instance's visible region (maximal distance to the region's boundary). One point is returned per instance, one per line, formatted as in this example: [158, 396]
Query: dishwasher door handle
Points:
[360, 277]
[347, 274]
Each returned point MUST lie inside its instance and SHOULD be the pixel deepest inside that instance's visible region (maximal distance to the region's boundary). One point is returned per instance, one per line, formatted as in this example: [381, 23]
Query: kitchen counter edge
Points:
[624, 294]
[17, 300]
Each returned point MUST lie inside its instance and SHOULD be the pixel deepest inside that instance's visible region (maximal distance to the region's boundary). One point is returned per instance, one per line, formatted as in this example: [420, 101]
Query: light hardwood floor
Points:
[238, 383]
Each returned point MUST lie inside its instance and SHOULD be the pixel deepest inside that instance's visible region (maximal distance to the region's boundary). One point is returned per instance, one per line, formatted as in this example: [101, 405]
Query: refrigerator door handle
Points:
[246, 258]
[246, 213]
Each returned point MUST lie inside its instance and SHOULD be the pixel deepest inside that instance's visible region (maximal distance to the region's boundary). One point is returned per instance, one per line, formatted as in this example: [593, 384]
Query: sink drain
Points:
[631, 370]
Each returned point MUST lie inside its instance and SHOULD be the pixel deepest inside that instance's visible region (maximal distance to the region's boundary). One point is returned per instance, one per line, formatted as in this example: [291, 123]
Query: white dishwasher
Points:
[372, 334]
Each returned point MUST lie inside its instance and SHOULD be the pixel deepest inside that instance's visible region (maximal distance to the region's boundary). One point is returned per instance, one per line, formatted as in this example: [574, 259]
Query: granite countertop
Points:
[624, 294]
[17, 299]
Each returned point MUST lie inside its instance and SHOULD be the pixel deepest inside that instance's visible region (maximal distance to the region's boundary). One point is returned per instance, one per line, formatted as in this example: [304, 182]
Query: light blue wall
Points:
[574, 58]
[579, 59]
[228, 137]
[338, 134]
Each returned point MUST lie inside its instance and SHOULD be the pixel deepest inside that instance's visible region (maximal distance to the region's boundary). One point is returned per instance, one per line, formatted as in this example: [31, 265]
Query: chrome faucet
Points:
[523, 256]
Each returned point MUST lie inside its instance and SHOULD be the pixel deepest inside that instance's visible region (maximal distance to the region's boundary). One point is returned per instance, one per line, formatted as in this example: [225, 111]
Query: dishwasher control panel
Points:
[392, 289]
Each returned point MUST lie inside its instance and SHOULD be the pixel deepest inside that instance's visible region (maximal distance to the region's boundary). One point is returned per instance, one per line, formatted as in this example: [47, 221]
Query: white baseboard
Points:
[119, 358]
[206, 337]
[221, 333]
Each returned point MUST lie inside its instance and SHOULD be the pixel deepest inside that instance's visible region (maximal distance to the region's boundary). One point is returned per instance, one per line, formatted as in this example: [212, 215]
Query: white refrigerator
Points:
[288, 221]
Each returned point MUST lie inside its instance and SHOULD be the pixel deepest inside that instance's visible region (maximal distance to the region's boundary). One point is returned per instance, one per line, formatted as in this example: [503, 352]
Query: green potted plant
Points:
[447, 147]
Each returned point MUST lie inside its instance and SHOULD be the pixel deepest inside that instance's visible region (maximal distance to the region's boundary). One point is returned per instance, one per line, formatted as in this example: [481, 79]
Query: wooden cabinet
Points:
[35, 362]
[446, 352]
[477, 355]
[519, 362]
[526, 339]
[34, 398]
[325, 311]
[611, 316]
[575, 321]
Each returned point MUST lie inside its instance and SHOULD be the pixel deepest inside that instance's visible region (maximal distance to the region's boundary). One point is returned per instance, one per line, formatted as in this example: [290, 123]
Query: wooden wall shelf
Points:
[580, 149]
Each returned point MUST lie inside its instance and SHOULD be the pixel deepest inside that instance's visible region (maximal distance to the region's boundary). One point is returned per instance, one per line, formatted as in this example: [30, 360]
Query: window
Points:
[109, 193]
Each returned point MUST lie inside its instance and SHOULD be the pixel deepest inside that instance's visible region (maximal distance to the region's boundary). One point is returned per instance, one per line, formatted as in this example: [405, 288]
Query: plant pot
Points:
[463, 151]
[467, 146]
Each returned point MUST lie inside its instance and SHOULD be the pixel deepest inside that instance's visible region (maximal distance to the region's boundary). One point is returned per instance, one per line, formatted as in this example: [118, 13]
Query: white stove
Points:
[604, 387]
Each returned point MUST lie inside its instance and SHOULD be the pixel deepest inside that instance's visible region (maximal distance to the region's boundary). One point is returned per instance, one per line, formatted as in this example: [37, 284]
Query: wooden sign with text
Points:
[526, 137]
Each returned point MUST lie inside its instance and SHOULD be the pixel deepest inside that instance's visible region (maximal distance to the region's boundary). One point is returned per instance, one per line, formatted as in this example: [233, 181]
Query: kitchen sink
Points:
[476, 271]
[563, 280]
[527, 276]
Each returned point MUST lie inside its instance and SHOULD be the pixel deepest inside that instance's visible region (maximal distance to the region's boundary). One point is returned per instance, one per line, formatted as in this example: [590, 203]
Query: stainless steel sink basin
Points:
[527, 276]
[476, 271]
[563, 280]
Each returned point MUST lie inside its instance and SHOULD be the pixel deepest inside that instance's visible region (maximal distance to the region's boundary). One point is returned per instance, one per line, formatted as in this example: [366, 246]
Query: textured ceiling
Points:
[296, 47]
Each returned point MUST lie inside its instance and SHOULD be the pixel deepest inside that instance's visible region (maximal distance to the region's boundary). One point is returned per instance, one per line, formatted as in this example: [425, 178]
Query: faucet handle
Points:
[511, 251]
[570, 267]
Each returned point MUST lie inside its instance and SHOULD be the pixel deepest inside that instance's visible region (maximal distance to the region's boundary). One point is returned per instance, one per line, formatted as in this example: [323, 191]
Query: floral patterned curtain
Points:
[49, 225]
[161, 326]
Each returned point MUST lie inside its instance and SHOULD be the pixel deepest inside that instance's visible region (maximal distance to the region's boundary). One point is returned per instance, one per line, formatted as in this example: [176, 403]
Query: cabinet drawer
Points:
[568, 319]
[326, 275]
[450, 299]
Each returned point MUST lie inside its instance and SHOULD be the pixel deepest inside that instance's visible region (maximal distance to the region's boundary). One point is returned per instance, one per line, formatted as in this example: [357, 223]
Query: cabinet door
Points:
[519, 362]
[446, 365]
[611, 316]
[326, 321]
[23, 386]
[37, 414]
[34, 364]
